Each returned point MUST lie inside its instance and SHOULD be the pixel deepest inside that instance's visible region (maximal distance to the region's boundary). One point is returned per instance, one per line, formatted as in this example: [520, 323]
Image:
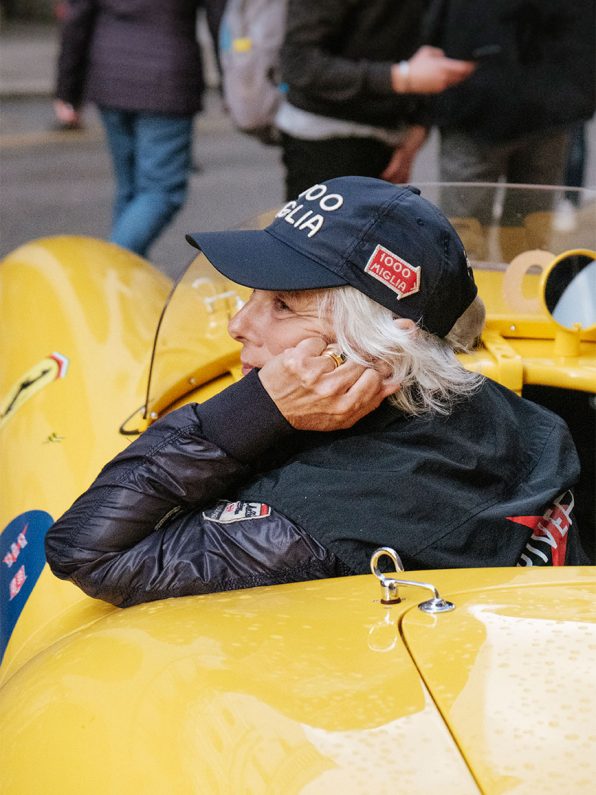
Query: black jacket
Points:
[337, 57]
[536, 65]
[227, 495]
[137, 55]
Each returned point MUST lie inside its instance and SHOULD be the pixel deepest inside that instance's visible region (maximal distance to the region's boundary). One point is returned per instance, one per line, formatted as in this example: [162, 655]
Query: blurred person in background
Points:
[534, 83]
[354, 78]
[139, 61]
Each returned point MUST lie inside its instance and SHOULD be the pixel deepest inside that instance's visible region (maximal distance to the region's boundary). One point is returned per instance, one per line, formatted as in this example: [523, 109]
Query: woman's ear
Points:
[405, 323]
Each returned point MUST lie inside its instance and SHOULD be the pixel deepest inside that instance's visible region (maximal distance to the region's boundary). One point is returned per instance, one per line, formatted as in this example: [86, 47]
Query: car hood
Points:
[512, 672]
[314, 686]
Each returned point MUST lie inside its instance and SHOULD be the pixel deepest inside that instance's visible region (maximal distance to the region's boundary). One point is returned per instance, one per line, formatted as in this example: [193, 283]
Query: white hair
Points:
[430, 375]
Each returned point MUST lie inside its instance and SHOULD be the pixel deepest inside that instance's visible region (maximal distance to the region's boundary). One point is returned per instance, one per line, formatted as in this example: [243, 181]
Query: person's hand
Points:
[315, 395]
[66, 114]
[399, 168]
[429, 71]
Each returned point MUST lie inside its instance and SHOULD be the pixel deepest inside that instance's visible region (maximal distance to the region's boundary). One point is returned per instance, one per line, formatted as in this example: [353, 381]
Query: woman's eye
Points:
[281, 305]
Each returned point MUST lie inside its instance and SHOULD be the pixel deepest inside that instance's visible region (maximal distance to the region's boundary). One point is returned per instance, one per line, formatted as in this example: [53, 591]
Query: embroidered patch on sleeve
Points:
[227, 512]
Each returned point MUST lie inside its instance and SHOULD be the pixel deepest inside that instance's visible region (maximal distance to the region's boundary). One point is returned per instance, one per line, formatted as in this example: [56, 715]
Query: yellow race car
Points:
[452, 681]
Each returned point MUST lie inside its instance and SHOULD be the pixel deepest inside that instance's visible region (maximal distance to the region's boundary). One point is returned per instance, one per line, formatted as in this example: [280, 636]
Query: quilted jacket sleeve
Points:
[139, 532]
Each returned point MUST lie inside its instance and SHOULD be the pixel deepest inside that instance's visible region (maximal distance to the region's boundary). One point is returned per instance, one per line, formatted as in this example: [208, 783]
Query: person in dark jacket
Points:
[535, 81]
[140, 63]
[354, 77]
[354, 426]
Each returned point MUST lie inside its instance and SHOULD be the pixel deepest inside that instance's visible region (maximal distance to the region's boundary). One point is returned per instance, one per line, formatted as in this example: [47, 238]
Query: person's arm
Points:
[77, 30]
[139, 532]
[186, 460]
[399, 168]
[309, 63]
[308, 60]
[224, 547]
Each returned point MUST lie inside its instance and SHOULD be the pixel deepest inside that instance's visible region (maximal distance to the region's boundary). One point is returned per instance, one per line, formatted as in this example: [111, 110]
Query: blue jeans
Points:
[151, 156]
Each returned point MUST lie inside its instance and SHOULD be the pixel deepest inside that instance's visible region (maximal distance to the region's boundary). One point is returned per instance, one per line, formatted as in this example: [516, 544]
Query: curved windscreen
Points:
[192, 345]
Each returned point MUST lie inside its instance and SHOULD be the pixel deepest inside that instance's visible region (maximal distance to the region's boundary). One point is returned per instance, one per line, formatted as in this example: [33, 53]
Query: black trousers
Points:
[309, 162]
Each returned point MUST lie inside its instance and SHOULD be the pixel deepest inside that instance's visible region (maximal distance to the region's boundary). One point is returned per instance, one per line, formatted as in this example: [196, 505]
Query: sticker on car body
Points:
[22, 558]
[49, 369]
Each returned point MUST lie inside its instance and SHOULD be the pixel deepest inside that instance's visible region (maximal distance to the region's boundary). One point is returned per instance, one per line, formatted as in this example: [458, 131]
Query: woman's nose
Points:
[238, 325]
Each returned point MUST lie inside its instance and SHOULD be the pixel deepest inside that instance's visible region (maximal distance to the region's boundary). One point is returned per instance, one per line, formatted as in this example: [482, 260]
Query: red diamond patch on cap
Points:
[394, 272]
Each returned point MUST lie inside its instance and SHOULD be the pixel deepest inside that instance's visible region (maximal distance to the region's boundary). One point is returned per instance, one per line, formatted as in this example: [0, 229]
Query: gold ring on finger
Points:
[337, 358]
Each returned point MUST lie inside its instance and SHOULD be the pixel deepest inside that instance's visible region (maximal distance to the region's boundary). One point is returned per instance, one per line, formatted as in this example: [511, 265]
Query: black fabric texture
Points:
[337, 57]
[136, 56]
[191, 554]
[309, 162]
[437, 489]
[257, 425]
[536, 65]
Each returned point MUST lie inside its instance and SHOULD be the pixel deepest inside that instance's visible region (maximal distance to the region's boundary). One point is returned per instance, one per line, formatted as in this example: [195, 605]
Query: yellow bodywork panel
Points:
[298, 688]
[521, 344]
[310, 688]
[512, 671]
[96, 306]
[78, 320]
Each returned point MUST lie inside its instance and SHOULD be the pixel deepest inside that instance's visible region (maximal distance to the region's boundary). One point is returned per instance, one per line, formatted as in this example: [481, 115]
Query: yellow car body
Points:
[296, 688]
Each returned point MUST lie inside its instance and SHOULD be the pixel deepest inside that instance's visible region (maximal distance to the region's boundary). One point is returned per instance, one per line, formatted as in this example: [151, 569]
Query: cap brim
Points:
[255, 258]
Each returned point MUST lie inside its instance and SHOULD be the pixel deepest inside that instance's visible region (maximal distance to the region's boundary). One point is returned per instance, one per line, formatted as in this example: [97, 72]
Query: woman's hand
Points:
[314, 394]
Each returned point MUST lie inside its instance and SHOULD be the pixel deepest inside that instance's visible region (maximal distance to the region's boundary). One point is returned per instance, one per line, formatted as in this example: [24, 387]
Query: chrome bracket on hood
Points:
[390, 585]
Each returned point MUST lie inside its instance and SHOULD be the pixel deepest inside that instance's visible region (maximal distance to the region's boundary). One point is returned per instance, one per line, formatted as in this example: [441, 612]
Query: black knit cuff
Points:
[243, 420]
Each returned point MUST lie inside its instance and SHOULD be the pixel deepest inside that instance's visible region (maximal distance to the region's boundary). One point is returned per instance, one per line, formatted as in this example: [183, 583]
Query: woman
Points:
[354, 426]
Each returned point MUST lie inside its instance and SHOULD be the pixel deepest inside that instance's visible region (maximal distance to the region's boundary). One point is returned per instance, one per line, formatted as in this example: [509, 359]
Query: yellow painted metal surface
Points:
[521, 349]
[536, 361]
[310, 688]
[96, 306]
[513, 672]
[299, 688]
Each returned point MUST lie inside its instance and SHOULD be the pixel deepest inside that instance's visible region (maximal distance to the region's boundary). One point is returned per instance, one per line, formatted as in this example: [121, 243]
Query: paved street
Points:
[61, 182]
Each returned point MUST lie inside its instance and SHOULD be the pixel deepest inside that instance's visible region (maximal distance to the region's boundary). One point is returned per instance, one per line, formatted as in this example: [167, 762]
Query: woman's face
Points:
[272, 322]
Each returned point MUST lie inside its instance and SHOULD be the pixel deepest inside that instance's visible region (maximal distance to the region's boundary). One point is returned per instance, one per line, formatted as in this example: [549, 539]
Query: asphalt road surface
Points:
[61, 182]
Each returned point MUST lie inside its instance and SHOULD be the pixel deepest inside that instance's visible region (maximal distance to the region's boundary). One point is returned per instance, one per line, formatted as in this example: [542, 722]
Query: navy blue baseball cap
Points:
[385, 240]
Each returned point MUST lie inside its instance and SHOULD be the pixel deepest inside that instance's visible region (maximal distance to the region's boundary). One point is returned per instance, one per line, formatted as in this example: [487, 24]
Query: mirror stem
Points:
[567, 341]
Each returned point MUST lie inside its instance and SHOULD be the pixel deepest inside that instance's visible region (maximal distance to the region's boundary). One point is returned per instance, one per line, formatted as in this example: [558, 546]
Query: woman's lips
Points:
[246, 368]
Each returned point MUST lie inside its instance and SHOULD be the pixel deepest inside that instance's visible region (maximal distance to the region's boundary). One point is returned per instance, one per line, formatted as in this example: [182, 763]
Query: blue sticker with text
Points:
[22, 558]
